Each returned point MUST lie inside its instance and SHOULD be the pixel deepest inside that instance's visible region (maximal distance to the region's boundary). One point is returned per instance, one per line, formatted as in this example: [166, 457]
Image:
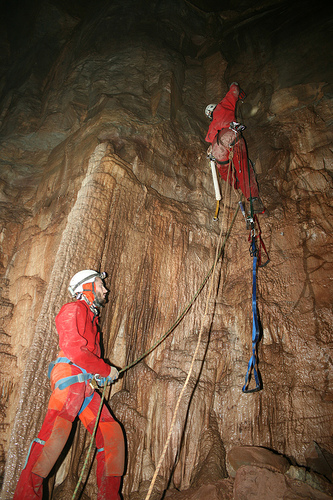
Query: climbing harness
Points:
[237, 127]
[65, 382]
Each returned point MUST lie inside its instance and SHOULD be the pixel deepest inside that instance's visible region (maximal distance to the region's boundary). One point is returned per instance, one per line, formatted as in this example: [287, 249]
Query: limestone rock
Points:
[311, 478]
[221, 490]
[319, 460]
[255, 482]
[255, 455]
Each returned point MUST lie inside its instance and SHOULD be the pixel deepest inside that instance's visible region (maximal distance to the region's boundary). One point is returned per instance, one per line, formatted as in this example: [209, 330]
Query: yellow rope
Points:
[194, 355]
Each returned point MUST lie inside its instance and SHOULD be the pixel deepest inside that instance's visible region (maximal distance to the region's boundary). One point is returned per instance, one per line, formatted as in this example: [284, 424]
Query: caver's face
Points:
[100, 291]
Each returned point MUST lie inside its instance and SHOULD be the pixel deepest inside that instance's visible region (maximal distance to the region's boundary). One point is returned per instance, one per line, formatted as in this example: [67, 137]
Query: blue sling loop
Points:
[255, 326]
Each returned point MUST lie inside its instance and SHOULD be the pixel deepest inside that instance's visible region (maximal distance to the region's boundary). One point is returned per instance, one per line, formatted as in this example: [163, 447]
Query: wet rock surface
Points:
[103, 165]
[255, 455]
[256, 482]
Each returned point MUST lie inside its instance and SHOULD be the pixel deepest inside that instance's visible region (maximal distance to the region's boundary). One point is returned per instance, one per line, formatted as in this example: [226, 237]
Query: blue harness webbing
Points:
[62, 384]
[86, 402]
[36, 440]
[73, 379]
[255, 325]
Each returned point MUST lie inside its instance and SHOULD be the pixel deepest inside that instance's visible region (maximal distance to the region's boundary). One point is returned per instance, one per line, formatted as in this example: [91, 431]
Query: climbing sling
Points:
[255, 323]
[256, 255]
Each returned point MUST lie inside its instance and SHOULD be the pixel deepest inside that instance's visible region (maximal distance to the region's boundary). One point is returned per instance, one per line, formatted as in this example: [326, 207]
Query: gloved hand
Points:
[101, 381]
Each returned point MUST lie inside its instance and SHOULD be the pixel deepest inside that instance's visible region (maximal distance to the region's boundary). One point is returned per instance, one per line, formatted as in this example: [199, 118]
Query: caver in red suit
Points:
[77, 326]
[228, 144]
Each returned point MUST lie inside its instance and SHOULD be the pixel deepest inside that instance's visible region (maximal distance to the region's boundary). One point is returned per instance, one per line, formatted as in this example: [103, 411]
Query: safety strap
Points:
[36, 440]
[65, 382]
[224, 162]
[62, 360]
[255, 326]
[86, 402]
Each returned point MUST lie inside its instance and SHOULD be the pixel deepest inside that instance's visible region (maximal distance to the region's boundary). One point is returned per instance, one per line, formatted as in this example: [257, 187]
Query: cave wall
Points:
[103, 165]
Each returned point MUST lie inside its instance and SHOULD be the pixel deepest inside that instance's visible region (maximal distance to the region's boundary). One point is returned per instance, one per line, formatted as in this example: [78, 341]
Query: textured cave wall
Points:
[103, 165]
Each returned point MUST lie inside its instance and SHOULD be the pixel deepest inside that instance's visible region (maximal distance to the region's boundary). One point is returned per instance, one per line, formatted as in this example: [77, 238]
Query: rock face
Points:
[103, 165]
[255, 482]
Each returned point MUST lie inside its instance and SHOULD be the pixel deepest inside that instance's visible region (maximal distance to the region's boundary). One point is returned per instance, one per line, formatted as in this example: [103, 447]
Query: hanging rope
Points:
[253, 363]
[91, 442]
[218, 252]
[181, 316]
[175, 324]
[140, 358]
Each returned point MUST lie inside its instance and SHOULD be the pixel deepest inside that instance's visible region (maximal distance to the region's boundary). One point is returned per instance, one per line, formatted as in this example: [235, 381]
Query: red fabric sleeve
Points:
[224, 113]
[79, 338]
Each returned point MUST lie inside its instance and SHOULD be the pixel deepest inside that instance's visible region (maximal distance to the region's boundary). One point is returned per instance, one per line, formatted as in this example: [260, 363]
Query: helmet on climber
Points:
[88, 284]
[209, 110]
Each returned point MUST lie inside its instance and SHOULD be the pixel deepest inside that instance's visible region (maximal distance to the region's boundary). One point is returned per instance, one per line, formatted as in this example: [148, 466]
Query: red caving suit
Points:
[225, 140]
[79, 341]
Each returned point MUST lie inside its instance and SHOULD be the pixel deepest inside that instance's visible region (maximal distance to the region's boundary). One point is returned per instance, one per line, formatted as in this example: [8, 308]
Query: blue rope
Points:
[255, 326]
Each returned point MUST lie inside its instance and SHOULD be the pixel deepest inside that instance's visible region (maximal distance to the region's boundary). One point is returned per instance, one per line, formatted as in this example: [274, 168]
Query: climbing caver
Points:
[79, 361]
[228, 152]
[228, 146]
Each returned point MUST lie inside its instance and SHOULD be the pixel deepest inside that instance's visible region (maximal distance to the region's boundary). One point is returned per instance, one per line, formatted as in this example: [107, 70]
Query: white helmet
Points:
[82, 277]
[209, 110]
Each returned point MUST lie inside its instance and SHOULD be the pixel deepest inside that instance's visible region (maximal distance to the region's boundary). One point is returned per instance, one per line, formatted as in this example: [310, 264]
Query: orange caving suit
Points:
[79, 342]
[224, 141]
